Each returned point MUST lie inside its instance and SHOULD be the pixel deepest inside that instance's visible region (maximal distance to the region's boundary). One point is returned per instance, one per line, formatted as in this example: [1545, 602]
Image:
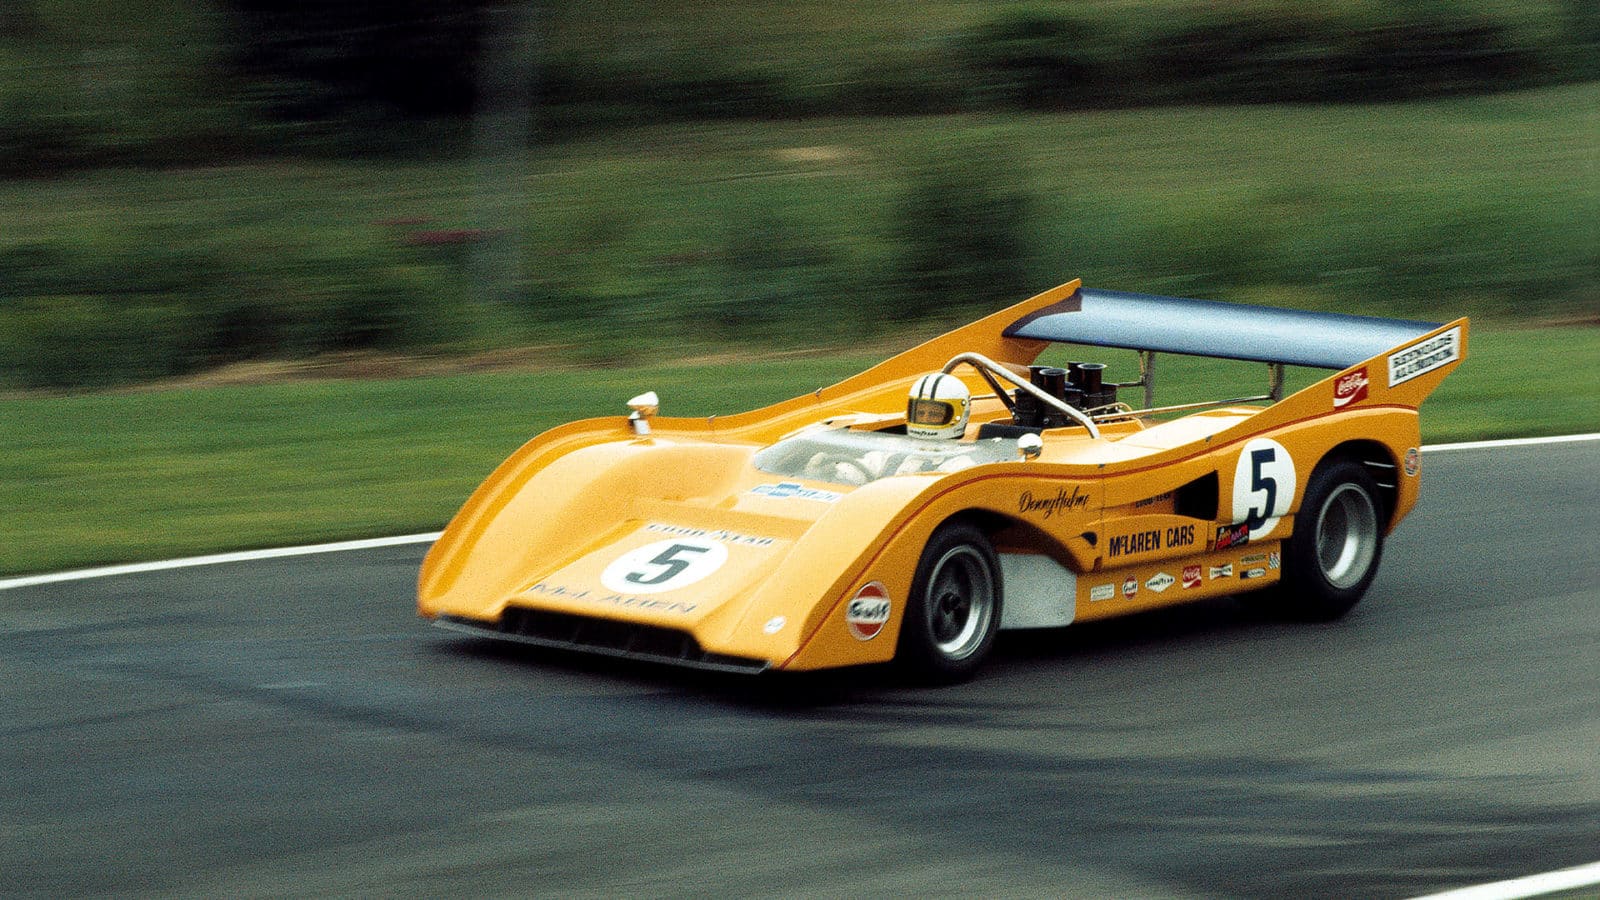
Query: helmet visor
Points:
[930, 412]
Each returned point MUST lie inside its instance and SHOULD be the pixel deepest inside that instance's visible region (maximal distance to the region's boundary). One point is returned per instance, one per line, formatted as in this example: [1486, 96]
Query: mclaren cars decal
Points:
[1150, 541]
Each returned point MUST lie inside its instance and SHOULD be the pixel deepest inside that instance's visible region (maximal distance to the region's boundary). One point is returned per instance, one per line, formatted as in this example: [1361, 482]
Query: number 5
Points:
[1259, 482]
[670, 558]
[1263, 486]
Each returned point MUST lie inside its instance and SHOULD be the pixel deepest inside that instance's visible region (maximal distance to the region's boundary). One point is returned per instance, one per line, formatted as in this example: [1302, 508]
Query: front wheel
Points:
[1333, 554]
[954, 608]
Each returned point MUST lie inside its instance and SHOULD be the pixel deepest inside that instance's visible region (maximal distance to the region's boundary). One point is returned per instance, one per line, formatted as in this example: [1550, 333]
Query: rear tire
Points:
[954, 608]
[1333, 555]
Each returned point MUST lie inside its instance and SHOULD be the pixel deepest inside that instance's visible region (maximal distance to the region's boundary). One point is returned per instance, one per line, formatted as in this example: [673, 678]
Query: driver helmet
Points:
[938, 407]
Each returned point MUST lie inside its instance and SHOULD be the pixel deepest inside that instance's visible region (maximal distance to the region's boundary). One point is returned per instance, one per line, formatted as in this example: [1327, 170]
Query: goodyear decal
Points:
[718, 534]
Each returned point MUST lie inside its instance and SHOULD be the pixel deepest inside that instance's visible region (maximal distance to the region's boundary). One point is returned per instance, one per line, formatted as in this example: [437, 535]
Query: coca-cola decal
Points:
[1351, 388]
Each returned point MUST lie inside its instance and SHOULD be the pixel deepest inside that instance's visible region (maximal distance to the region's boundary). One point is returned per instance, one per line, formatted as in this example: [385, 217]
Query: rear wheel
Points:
[1333, 554]
[954, 608]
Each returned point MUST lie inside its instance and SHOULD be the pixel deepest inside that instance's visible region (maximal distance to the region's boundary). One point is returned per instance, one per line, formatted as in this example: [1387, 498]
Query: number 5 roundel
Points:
[1263, 486]
[663, 566]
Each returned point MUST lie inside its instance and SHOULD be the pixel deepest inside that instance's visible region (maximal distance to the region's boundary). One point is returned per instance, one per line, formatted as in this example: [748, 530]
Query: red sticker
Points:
[1191, 577]
[867, 612]
[1350, 388]
[1413, 462]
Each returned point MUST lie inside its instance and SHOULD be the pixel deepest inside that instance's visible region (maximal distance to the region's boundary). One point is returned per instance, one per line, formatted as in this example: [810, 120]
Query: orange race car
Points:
[910, 511]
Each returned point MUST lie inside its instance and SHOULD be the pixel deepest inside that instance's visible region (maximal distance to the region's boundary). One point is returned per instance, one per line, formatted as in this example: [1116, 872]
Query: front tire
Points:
[954, 608]
[1333, 555]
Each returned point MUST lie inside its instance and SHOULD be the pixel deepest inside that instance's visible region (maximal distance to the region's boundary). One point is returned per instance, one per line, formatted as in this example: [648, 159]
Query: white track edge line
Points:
[430, 537]
[1513, 442]
[1529, 886]
[216, 559]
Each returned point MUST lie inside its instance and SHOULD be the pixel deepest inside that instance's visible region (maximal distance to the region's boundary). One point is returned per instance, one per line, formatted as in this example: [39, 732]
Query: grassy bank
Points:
[669, 239]
[126, 476]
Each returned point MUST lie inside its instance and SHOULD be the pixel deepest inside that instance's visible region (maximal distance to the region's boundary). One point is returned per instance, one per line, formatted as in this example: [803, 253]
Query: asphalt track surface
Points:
[287, 727]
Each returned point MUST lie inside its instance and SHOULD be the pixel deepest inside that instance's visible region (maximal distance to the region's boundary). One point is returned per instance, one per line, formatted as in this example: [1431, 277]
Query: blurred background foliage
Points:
[191, 183]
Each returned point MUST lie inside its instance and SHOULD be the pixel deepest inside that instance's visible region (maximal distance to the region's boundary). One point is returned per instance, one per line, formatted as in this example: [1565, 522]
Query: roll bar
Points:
[988, 368]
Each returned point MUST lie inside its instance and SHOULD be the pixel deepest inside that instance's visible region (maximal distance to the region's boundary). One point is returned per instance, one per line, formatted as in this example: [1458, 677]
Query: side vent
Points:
[1198, 498]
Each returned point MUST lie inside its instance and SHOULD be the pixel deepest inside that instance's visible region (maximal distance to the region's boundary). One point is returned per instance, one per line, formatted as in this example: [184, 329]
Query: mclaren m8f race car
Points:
[910, 511]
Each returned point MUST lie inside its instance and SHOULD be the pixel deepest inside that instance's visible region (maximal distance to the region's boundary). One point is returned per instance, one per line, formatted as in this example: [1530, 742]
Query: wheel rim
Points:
[1347, 536]
[960, 602]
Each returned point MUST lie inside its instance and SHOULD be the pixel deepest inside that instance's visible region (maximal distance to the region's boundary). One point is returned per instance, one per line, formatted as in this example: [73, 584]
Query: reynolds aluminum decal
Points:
[1102, 592]
[1420, 359]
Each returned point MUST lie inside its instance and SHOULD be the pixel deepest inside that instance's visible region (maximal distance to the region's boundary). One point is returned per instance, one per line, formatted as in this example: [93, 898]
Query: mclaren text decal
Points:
[664, 565]
[1439, 350]
[1150, 541]
[1061, 501]
[1263, 486]
[546, 589]
[784, 490]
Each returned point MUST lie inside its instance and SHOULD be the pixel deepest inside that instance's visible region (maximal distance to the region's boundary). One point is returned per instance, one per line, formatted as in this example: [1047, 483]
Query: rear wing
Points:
[1211, 328]
[1272, 335]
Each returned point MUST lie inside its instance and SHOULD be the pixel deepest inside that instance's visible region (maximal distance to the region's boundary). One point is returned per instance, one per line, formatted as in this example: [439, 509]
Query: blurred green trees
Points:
[147, 89]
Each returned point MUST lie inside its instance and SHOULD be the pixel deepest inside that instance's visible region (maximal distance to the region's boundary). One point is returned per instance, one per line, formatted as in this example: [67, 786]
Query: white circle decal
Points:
[1263, 486]
[664, 566]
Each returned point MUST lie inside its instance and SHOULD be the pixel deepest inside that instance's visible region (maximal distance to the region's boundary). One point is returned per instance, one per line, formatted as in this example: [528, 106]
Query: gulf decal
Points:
[867, 612]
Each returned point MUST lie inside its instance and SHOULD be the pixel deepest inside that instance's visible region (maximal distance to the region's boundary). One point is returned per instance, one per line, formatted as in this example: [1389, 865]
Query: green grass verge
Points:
[115, 477]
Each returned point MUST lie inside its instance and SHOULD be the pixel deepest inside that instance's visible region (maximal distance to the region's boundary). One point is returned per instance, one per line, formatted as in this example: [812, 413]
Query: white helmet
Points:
[938, 407]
